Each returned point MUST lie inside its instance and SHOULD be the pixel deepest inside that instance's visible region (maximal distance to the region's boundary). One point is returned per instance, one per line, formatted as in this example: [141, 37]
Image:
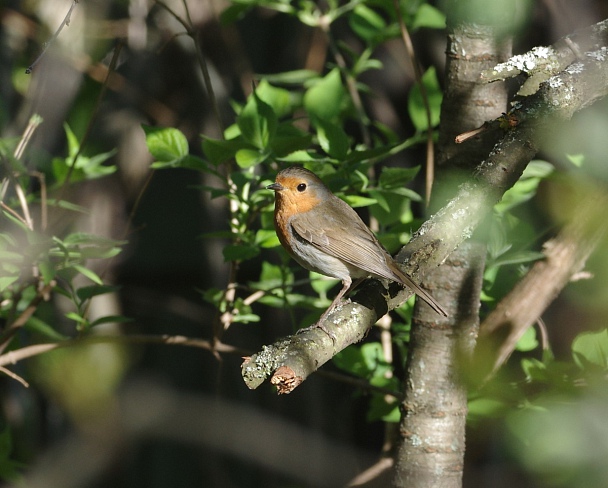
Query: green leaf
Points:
[234, 12]
[296, 77]
[246, 158]
[86, 292]
[188, 161]
[359, 201]
[526, 186]
[84, 238]
[363, 361]
[324, 100]
[428, 16]
[34, 324]
[528, 341]
[321, 284]
[521, 257]
[240, 252]
[258, 122]
[301, 157]
[392, 178]
[90, 274]
[576, 159]
[289, 139]
[219, 151]
[376, 154]
[167, 145]
[351, 360]
[381, 200]
[591, 348]
[537, 168]
[99, 252]
[392, 207]
[6, 281]
[245, 318]
[76, 318]
[267, 238]
[15, 220]
[367, 24]
[434, 95]
[534, 369]
[271, 275]
[111, 319]
[278, 98]
[486, 407]
[383, 408]
[52, 202]
[47, 270]
[332, 139]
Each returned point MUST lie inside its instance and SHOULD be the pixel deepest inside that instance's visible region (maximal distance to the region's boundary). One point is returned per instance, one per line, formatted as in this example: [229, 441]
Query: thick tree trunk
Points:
[435, 405]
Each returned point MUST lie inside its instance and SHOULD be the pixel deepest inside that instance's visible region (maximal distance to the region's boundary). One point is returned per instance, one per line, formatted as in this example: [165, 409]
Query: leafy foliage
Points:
[298, 117]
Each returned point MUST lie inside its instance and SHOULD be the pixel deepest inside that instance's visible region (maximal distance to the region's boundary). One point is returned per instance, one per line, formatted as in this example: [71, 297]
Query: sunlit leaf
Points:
[416, 107]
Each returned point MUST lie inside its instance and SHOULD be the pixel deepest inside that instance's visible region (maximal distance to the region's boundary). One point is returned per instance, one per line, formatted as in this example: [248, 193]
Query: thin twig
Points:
[13, 213]
[350, 84]
[366, 477]
[13, 357]
[15, 376]
[32, 125]
[91, 120]
[34, 122]
[430, 150]
[66, 22]
[10, 331]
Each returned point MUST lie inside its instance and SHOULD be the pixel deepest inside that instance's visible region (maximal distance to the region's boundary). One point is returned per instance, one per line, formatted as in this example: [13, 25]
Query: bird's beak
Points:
[275, 187]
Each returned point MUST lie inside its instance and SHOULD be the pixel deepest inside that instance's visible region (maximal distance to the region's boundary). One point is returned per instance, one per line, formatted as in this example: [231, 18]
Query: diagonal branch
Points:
[558, 98]
[565, 255]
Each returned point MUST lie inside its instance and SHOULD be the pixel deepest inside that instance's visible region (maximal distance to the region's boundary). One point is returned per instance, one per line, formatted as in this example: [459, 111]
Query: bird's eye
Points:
[301, 187]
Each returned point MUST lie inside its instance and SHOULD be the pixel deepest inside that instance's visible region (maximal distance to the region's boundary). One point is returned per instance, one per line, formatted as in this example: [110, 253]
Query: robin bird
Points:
[324, 234]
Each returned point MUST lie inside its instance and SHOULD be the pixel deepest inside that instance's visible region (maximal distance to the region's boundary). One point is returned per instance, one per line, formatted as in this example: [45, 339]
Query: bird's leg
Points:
[320, 323]
[354, 286]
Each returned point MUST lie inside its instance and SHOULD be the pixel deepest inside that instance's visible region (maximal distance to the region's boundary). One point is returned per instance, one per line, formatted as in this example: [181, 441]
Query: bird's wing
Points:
[355, 245]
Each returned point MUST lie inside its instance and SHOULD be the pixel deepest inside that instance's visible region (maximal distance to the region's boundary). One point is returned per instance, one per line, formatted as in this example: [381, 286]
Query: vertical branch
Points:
[435, 406]
[434, 410]
[351, 84]
[32, 125]
[430, 151]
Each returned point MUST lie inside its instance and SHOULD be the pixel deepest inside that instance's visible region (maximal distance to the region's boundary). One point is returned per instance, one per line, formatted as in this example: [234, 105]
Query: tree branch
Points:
[559, 97]
[565, 255]
[13, 357]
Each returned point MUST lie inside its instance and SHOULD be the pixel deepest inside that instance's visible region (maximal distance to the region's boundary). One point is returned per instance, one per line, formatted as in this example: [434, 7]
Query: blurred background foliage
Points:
[149, 218]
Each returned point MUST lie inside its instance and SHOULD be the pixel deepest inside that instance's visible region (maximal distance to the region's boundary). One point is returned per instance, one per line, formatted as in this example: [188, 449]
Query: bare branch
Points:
[564, 257]
[66, 22]
[13, 357]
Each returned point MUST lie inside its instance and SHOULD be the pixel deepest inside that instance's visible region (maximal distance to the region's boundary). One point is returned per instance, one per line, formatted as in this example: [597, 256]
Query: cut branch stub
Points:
[291, 360]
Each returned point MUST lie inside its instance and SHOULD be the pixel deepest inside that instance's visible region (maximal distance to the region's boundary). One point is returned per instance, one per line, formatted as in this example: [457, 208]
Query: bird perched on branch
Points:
[324, 234]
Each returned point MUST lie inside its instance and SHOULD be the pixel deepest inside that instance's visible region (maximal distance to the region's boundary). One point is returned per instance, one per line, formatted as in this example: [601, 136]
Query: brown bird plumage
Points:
[324, 234]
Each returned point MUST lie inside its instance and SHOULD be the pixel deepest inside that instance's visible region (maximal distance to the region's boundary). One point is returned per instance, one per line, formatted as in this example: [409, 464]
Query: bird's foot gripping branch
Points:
[289, 361]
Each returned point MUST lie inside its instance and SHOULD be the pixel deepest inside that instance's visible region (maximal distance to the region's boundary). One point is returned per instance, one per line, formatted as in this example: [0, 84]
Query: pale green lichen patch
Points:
[261, 365]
